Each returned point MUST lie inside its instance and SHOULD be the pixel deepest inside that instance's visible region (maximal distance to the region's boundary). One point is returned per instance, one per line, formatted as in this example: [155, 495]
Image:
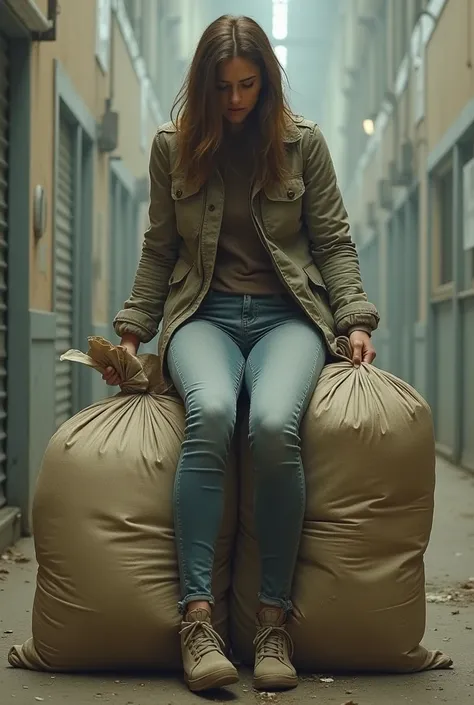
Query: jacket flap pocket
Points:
[314, 275]
[289, 190]
[182, 268]
[181, 190]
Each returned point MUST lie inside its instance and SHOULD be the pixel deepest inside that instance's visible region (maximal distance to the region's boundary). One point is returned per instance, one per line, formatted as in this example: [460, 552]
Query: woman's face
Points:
[239, 82]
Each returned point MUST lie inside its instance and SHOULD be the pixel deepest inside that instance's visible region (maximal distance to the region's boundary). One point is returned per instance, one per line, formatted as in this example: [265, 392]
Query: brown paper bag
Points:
[107, 585]
[359, 598]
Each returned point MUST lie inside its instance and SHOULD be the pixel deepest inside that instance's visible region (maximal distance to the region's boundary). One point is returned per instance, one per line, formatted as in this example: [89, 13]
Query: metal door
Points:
[4, 174]
[395, 284]
[64, 270]
[411, 287]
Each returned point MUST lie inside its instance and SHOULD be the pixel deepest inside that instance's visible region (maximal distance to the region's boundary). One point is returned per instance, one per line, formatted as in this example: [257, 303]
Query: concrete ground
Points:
[450, 594]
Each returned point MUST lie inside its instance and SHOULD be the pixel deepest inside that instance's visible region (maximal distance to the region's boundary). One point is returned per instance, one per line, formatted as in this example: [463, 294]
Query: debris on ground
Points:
[438, 598]
[464, 592]
[12, 555]
[326, 680]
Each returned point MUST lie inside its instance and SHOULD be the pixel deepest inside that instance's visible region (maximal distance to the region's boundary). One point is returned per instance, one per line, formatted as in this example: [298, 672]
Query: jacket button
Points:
[179, 193]
[290, 193]
[212, 207]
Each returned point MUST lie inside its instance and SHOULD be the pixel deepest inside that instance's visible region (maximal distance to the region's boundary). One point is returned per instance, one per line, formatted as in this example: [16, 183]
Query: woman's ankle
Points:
[198, 605]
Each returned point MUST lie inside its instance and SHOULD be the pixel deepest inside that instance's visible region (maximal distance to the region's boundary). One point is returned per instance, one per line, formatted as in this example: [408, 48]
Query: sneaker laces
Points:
[201, 639]
[270, 643]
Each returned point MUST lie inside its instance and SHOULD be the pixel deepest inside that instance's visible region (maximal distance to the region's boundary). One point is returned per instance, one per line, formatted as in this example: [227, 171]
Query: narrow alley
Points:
[87, 90]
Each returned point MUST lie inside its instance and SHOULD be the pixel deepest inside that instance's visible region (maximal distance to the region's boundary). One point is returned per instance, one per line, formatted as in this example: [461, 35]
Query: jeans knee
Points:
[211, 415]
[273, 436]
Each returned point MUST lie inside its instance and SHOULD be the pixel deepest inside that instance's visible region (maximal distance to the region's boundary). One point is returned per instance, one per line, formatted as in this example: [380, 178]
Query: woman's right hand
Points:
[111, 376]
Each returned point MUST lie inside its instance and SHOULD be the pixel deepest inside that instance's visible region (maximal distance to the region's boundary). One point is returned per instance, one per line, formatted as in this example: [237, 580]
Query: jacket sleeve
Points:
[332, 248]
[143, 310]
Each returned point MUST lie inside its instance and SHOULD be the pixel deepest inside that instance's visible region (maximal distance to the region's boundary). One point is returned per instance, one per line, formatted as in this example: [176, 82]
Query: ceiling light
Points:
[369, 126]
[281, 52]
[280, 19]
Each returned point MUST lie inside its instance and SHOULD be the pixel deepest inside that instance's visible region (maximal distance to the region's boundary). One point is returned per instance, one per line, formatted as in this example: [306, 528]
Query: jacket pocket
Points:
[180, 271]
[320, 294]
[188, 207]
[315, 276]
[282, 209]
[290, 190]
[180, 190]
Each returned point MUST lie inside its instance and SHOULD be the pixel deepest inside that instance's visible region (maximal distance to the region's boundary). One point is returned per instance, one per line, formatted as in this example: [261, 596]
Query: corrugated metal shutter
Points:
[64, 271]
[116, 248]
[4, 170]
[123, 250]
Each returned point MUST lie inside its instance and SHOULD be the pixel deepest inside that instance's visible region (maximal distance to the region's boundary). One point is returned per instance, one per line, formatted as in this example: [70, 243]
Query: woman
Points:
[249, 265]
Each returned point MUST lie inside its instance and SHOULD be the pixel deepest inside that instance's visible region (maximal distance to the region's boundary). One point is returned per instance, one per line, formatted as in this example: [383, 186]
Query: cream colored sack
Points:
[107, 586]
[359, 597]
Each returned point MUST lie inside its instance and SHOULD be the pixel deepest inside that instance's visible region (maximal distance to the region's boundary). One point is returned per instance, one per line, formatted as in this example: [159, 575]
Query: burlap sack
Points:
[107, 585]
[368, 453]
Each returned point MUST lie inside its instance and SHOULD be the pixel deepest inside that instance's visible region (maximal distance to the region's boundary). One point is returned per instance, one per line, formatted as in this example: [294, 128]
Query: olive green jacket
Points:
[302, 223]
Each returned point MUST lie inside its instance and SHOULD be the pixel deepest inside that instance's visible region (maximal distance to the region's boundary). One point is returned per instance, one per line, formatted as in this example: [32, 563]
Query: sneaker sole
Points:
[270, 683]
[212, 681]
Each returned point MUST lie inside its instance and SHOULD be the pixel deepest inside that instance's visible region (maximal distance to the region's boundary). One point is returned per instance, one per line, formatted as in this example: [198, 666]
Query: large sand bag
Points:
[359, 591]
[107, 585]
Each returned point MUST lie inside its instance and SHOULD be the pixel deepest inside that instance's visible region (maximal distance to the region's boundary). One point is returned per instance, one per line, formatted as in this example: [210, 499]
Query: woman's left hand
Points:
[362, 348]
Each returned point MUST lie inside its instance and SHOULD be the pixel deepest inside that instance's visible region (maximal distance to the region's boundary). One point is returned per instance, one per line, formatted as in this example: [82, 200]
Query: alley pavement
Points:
[450, 597]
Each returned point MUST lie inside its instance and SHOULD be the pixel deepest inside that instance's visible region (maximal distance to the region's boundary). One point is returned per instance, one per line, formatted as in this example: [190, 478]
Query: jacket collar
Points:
[292, 132]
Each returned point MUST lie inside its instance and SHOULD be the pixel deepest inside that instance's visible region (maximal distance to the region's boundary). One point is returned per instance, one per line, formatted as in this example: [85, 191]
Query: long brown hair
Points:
[197, 114]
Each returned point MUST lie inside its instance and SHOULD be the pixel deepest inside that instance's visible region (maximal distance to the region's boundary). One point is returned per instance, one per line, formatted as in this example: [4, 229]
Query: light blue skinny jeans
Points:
[268, 344]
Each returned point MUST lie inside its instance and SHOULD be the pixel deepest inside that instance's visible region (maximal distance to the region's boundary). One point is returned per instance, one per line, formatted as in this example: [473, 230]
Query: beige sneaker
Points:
[273, 652]
[205, 666]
